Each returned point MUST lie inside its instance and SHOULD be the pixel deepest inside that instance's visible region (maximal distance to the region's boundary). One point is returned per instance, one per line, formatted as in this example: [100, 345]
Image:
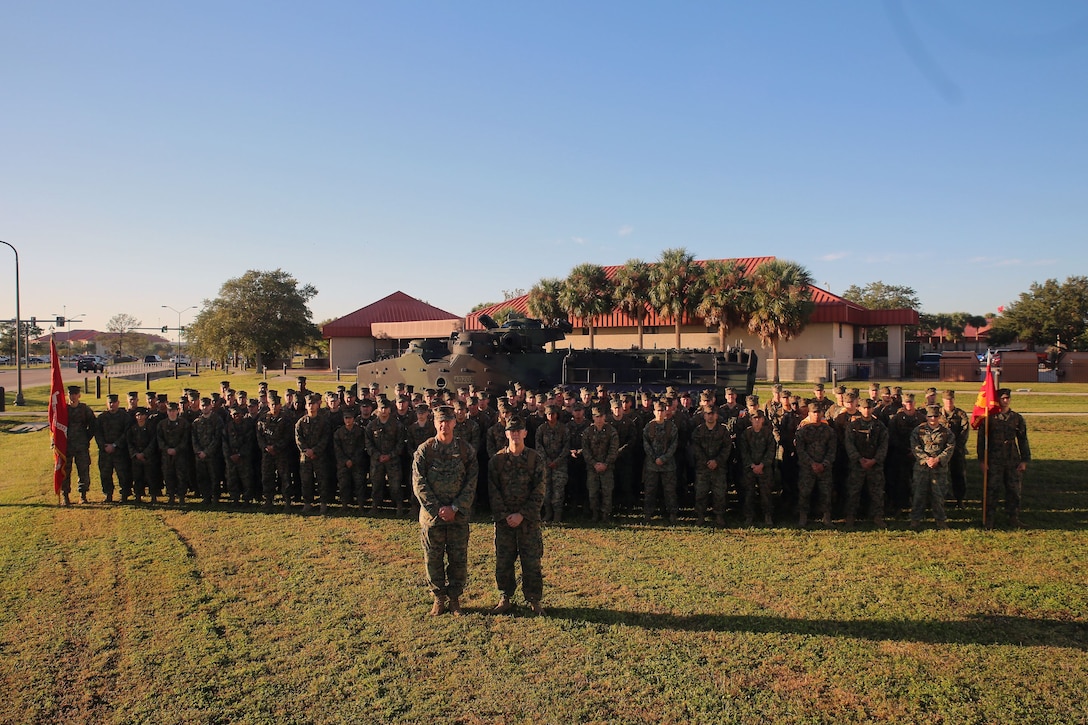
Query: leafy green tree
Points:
[1048, 312]
[505, 314]
[781, 304]
[7, 336]
[256, 316]
[631, 291]
[676, 286]
[585, 294]
[880, 296]
[543, 303]
[727, 300]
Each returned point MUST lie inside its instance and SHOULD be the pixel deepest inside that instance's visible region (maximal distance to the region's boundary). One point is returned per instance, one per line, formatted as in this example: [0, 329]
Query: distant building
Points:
[384, 328]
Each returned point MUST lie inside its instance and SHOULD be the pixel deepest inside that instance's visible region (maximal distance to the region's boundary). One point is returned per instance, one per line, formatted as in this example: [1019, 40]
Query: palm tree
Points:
[543, 302]
[781, 304]
[585, 294]
[676, 286]
[632, 289]
[727, 298]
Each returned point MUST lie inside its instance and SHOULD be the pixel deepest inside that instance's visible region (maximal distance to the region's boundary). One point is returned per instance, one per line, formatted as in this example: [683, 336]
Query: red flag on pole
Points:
[986, 402]
[58, 419]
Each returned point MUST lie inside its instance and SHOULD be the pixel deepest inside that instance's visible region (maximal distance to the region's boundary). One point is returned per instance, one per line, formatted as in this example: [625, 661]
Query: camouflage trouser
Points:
[446, 542]
[600, 486]
[654, 479]
[1003, 479]
[871, 480]
[932, 484]
[352, 484]
[761, 487]
[807, 479]
[710, 484]
[382, 474]
[108, 464]
[957, 472]
[314, 477]
[555, 480]
[141, 474]
[525, 542]
[209, 474]
[175, 474]
[81, 458]
[275, 475]
[240, 479]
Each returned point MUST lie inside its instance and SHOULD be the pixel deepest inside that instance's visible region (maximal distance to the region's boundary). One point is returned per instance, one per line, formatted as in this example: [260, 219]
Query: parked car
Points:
[36, 360]
[181, 360]
[929, 363]
[90, 364]
[4, 359]
[152, 359]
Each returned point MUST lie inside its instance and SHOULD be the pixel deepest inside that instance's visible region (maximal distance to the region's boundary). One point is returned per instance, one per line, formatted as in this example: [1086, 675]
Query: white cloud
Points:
[578, 240]
[625, 230]
[834, 256]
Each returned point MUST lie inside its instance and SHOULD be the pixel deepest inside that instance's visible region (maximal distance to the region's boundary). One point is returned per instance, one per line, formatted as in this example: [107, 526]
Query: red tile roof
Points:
[397, 307]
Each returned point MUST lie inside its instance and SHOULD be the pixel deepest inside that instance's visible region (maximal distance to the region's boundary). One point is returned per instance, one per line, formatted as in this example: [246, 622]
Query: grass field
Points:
[125, 614]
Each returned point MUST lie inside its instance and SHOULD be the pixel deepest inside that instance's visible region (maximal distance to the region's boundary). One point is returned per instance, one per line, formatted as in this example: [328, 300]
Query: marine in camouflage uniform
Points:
[957, 421]
[239, 442]
[899, 465]
[600, 447]
[866, 441]
[207, 437]
[630, 438]
[1009, 454]
[174, 445]
[384, 443]
[349, 447]
[142, 448]
[757, 450]
[660, 439]
[110, 429]
[816, 448]
[553, 443]
[516, 479]
[444, 474]
[932, 445]
[313, 436]
[275, 436]
[711, 447]
[80, 431]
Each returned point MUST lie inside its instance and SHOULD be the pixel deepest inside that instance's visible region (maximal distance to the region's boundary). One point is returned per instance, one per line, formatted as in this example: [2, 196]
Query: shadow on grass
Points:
[981, 629]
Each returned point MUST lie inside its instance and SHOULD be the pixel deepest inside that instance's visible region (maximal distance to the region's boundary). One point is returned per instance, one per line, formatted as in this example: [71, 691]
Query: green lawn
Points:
[124, 614]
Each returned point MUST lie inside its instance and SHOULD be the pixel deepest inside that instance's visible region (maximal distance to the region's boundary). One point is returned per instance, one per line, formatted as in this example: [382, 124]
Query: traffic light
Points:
[164, 328]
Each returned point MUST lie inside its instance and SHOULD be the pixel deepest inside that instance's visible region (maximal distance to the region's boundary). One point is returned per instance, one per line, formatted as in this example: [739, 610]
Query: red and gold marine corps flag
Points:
[986, 402]
[58, 420]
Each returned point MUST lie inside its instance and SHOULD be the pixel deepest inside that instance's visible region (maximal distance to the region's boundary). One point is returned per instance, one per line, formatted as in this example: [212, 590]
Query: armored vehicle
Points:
[499, 356]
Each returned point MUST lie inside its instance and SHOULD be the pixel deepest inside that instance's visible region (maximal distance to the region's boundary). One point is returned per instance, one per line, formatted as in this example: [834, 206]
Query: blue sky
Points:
[453, 150]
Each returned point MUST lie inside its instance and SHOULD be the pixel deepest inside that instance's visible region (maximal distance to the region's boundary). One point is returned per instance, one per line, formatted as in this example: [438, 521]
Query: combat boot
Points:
[594, 515]
[915, 525]
[1014, 522]
[324, 508]
[109, 497]
[455, 606]
[400, 511]
[67, 501]
[802, 521]
[504, 605]
[558, 516]
[170, 500]
[548, 513]
[83, 497]
[878, 521]
[439, 606]
[154, 498]
[827, 518]
[768, 520]
[942, 525]
[719, 520]
[535, 608]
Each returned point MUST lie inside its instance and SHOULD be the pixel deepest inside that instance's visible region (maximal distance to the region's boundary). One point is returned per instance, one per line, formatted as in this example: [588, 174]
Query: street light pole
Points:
[18, 333]
[177, 355]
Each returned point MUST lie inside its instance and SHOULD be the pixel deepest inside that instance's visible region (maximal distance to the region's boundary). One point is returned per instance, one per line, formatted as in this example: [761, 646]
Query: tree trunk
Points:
[591, 336]
[722, 330]
[640, 326]
[678, 333]
[774, 359]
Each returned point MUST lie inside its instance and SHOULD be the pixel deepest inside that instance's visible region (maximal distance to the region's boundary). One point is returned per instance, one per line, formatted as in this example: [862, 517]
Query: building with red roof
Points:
[837, 332]
[384, 328]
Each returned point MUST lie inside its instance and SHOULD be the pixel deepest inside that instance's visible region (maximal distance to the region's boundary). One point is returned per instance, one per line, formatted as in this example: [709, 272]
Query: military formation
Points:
[529, 458]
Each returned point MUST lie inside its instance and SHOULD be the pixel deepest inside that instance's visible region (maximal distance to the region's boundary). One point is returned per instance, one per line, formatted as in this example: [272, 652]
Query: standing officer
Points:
[660, 439]
[208, 452]
[866, 440]
[444, 472]
[516, 479]
[80, 431]
[757, 450]
[1009, 456]
[312, 436]
[553, 443]
[239, 442]
[349, 445]
[276, 440]
[932, 445]
[174, 442]
[141, 444]
[711, 447]
[110, 429]
[384, 443]
[600, 447]
[957, 421]
[816, 448]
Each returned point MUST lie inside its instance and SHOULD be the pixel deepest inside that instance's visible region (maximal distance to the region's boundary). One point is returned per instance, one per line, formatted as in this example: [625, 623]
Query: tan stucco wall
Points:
[346, 352]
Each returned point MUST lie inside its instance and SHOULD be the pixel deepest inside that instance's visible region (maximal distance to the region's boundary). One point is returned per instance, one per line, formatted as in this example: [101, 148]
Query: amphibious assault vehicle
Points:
[499, 356]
